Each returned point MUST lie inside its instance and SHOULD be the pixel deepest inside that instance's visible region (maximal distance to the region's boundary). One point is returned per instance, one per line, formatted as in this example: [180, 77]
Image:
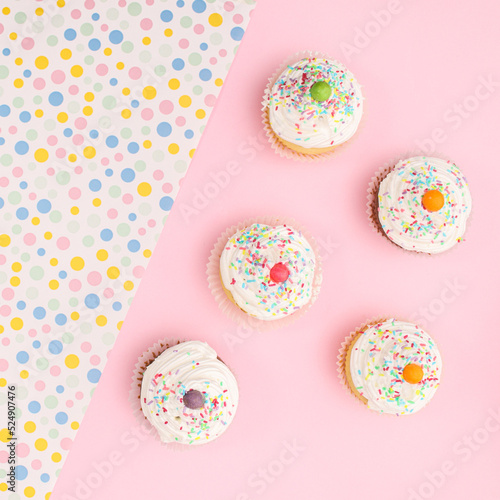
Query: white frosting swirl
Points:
[297, 118]
[189, 366]
[401, 213]
[378, 358]
[246, 263]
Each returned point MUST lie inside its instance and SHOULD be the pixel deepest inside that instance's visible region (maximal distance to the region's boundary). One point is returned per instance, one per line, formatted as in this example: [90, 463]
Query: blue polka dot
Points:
[95, 185]
[2, 141]
[133, 245]
[116, 37]
[106, 234]
[95, 16]
[22, 213]
[113, 81]
[36, 344]
[56, 98]
[180, 3]
[94, 44]
[44, 206]
[237, 33]
[94, 375]
[63, 275]
[199, 6]
[39, 312]
[128, 175]
[45, 478]
[188, 134]
[67, 132]
[25, 116]
[134, 103]
[6, 52]
[55, 347]
[166, 16]
[117, 306]
[61, 319]
[178, 64]
[22, 357]
[166, 203]
[34, 407]
[21, 472]
[164, 129]
[132, 217]
[21, 305]
[60, 389]
[21, 147]
[112, 141]
[94, 134]
[2, 203]
[23, 185]
[40, 252]
[205, 75]
[203, 46]
[4, 110]
[92, 301]
[70, 34]
[26, 73]
[133, 147]
[61, 417]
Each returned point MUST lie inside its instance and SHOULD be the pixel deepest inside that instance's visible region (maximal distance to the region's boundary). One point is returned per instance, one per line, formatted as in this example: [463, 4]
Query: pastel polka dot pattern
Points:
[101, 110]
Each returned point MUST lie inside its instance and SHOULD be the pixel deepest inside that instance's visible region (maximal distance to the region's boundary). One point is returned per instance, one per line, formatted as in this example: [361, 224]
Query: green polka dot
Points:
[72, 381]
[186, 22]
[38, 26]
[140, 165]
[126, 261]
[73, 107]
[4, 72]
[105, 122]
[42, 363]
[16, 229]
[87, 80]
[53, 433]
[32, 293]
[25, 257]
[89, 60]
[44, 420]
[127, 47]
[93, 220]
[88, 241]
[49, 125]
[112, 14]
[53, 304]
[2, 473]
[160, 70]
[37, 99]
[18, 102]
[126, 133]
[55, 216]
[73, 302]
[144, 209]
[124, 25]
[52, 194]
[134, 9]
[98, 87]
[80, 47]
[216, 38]
[32, 134]
[41, 182]
[109, 102]
[194, 59]
[37, 273]
[52, 41]
[63, 177]
[108, 339]
[145, 130]
[123, 229]
[3, 277]
[67, 338]
[145, 56]
[158, 155]
[115, 191]
[188, 77]
[180, 166]
[20, 17]
[165, 50]
[197, 90]
[50, 402]
[85, 327]
[6, 160]
[19, 337]
[86, 29]
[117, 248]
[14, 197]
[73, 226]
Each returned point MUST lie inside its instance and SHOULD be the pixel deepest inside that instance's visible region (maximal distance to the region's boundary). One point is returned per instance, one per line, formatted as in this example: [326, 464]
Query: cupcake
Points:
[422, 204]
[266, 271]
[391, 366]
[187, 393]
[313, 106]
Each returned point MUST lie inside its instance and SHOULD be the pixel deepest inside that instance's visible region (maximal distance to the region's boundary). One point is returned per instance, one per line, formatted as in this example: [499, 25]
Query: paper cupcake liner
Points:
[276, 144]
[372, 203]
[233, 311]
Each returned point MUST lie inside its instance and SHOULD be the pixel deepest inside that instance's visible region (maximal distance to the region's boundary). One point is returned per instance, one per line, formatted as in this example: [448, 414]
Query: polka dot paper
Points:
[102, 105]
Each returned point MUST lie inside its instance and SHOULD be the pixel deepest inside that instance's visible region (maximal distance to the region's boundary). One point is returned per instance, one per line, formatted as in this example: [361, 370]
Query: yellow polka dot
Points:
[39, 11]
[75, 425]
[168, 32]
[119, 325]
[147, 144]
[107, 51]
[62, 117]
[16, 323]
[3, 487]
[24, 374]
[149, 92]
[191, 153]
[54, 261]
[76, 71]
[144, 189]
[3, 382]
[185, 101]
[200, 113]
[16, 267]
[53, 284]
[101, 255]
[101, 320]
[48, 235]
[1, 331]
[219, 82]
[146, 40]
[126, 113]
[174, 84]
[173, 148]
[41, 444]
[113, 272]
[89, 97]
[126, 91]
[66, 54]
[6, 11]
[29, 492]
[120, 65]
[77, 263]
[96, 202]
[18, 83]
[41, 155]
[47, 496]
[72, 157]
[38, 113]
[89, 152]
[88, 110]
[41, 62]
[13, 36]
[5, 435]
[75, 210]
[128, 285]
[72, 361]
[56, 457]
[35, 221]
[215, 20]
[30, 427]
[147, 253]
[15, 281]
[74, 316]
[60, 3]
[18, 61]
[4, 240]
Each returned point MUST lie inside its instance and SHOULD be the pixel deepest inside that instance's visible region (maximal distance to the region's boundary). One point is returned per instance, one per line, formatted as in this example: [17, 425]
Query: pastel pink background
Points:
[429, 58]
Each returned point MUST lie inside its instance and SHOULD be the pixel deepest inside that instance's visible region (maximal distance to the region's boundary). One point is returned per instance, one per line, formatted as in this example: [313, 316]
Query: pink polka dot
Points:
[4, 456]
[52, 140]
[7, 293]
[146, 24]
[127, 198]
[94, 278]
[75, 14]
[60, 152]
[39, 83]
[32, 332]
[166, 107]
[46, 328]
[199, 29]
[79, 395]
[2, 259]
[75, 285]
[5, 310]
[213, 60]
[101, 69]
[122, 3]
[22, 450]
[28, 43]
[150, 2]
[104, 27]
[108, 293]
[89, 4]
[151, 223]
[17, 171]
[58, 76]
[32, 196]
[74, 193]
[228, 6]
[138, 271]
[1, 29]
[4, 364]
[183, 44]
[40, 385]
[5, 341]
[167, 187]
[36, 464]
[86, 346]
[50, 171]
[80, 123]
[78, 169]
[238, 18]
[223, 52]
[95, 360]
[4, 182]
[73, 89]
[135, 73]
[55, 371]
[142, 231]
[112, 213]
[69, 403]
[180, 121]
[105, 161]
[158, 175]
[63, 243]
[210, 100]
[78, 139]
[147, 114]
[29, 239]
[118, 157]
[66, 443]
[13, 129]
